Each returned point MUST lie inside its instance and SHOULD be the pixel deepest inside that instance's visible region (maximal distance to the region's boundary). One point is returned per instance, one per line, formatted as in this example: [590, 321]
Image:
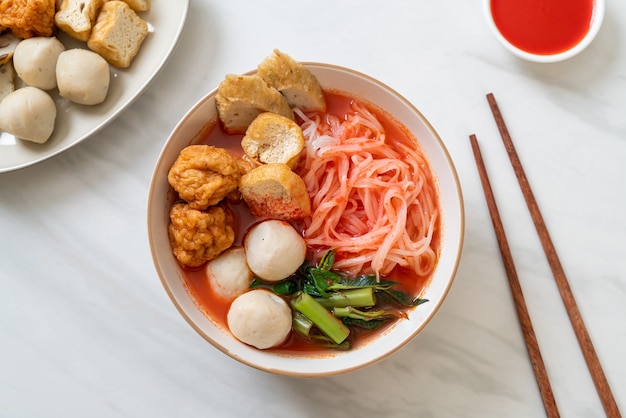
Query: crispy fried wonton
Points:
[28, 18]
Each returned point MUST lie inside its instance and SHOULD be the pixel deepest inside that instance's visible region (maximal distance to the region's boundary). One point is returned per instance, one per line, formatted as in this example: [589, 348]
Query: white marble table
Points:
[87, 330]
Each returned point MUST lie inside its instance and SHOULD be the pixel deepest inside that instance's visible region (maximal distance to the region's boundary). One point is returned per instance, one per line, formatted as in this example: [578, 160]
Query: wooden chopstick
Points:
[589, 353]
[520, 304]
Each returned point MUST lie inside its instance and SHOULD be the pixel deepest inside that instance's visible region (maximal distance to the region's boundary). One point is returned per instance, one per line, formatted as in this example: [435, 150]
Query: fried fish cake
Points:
[203, 175]
[28, 18]
[197, 236]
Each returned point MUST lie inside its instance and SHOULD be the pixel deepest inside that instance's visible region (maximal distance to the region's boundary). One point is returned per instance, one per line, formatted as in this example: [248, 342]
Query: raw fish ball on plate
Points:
[83, 76]
[28, 113]
[35, 61]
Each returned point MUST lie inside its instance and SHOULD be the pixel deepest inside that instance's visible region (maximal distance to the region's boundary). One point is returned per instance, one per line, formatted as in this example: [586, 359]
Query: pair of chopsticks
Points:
[589, 353]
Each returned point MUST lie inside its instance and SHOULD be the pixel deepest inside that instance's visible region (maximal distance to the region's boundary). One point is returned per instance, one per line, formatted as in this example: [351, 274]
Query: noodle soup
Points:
[374, 201]
[188, 290]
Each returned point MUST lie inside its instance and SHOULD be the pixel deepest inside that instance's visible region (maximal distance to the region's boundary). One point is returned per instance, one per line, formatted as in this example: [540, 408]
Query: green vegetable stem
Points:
[301, 324]
[359, 298]
[371, 315]
[323, 319]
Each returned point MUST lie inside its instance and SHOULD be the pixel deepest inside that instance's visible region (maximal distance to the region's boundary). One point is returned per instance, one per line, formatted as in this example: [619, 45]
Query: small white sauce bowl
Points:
[596, 22]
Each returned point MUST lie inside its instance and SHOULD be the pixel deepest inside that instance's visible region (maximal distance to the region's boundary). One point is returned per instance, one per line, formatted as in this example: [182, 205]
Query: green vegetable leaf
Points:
[256, 283]
[323, 279]
[283, 288]
[286, 287]
[368, 319]
[400, 298]
[310, 289]
[369, 325]
[363, 281]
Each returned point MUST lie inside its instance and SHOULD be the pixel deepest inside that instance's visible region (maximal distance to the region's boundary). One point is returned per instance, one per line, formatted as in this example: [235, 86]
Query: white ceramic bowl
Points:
[595, 24]
[358, 85]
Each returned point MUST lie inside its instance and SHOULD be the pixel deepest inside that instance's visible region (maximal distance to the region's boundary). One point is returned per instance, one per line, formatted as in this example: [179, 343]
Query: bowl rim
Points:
[597, 17]
[453, 268]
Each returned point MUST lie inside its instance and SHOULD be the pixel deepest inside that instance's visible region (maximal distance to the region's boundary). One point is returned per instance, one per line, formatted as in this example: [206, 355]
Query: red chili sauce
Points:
[216, 308]
[543, 27]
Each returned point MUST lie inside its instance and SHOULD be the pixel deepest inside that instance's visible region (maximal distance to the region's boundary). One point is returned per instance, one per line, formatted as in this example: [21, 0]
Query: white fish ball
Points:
[28, 113]
[228, 274]
[274, 250]
[83, 76]
[260, 318]
[35, 61]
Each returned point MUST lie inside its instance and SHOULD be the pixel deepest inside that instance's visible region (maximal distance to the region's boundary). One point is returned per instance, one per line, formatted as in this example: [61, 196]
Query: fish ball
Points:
[228, 274]
[259, 318]
[35, 61]
[274, 250]
[28, 113]
[83, 76]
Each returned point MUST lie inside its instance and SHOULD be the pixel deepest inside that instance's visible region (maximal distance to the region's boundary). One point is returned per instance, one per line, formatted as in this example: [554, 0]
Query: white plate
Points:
[75, 122]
